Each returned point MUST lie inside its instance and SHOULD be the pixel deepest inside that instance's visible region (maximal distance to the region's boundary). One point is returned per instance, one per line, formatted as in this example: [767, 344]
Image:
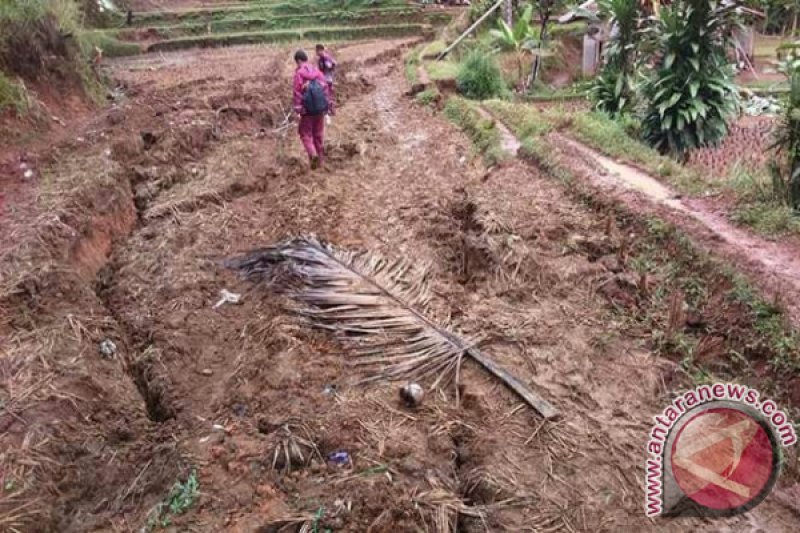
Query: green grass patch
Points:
[524, 121]
[759, 203]
[282, 36]
[485, 136]
[412, 65]
[283, 22]
[180, 499]
[433, 49]
[111, 46]
[429, 97]
[12, 96]
[442, 70]
[767, 218]
[261, 11]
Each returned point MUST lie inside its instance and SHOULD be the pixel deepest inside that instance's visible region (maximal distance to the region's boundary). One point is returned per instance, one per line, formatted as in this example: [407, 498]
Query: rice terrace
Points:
[458, 296]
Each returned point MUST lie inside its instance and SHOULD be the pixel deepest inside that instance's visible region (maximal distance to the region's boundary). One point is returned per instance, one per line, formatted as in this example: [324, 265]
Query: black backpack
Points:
[314, 100]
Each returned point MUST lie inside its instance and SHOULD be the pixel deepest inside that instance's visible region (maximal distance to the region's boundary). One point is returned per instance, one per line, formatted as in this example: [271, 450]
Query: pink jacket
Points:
[304, 74]
[327, 65]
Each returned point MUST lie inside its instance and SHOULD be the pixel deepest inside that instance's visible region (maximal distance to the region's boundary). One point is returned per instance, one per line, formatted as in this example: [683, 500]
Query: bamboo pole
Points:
[470, 30]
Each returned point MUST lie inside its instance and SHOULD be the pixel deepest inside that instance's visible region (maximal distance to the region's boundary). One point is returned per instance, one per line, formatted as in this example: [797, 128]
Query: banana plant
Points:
[519, 38]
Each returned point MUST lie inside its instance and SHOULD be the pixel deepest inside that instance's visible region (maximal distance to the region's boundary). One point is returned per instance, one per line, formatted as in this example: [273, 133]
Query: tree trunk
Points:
[537, 61]
[508, 12]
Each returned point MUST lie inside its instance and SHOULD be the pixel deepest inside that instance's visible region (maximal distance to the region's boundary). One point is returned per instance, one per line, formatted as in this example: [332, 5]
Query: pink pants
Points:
[312, 132]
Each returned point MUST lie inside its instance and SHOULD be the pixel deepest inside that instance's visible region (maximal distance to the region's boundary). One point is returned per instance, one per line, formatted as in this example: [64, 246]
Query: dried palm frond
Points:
[378, 304]
[292, 449]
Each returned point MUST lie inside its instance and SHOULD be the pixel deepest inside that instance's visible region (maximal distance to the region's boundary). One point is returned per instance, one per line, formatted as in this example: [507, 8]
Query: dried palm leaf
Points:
[378, 304]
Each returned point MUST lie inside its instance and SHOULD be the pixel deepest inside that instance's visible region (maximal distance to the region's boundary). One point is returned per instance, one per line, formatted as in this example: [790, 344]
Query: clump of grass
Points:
[12, 96]
[110, 45]
[484, 134]
[524, 121]
[479, 77]
[760, 202]
[442, 70]
[767, 218]
[429, 97]
[433, 49]
[181, 498]
[411, 65]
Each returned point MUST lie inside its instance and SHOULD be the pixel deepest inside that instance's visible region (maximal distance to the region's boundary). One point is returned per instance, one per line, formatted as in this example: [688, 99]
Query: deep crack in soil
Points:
[254, 400]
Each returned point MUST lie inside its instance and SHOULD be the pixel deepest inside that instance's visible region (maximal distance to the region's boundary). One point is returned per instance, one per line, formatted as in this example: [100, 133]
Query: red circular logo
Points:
[722, 458]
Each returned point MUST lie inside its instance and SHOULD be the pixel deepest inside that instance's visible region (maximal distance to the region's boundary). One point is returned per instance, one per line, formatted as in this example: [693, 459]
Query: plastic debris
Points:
[339, 458]
[329, 390]
[108, 348]
[228, 297]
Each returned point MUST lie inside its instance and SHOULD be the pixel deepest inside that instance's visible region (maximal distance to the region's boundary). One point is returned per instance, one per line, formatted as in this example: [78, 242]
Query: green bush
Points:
[479, 77]
[690, 91]
[613, 89]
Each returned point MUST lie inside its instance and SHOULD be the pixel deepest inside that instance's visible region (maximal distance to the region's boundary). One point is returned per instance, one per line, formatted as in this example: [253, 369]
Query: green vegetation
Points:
[479, 77]
[442, 70]
[524, 121]
[785, 169]
[12, 96]
[520, 39]
[429, 97]
[597, 130]
[613, 90]
[42, 40]
[277, 36]
[181, 498]
[260, 22]
[483, 132]
[412, 65]
[689, 92]
[110, 46]
[610, 137]
[433, 49]
[761, 202]
[266, 11]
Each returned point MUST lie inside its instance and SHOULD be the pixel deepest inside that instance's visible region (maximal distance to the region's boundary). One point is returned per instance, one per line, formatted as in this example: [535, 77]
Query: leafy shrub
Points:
[690, 92]
[613, 89]
[785, 169]
[479, 77]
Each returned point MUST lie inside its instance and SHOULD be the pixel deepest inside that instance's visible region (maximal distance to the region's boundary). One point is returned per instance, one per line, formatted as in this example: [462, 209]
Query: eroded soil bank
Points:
[194, 167]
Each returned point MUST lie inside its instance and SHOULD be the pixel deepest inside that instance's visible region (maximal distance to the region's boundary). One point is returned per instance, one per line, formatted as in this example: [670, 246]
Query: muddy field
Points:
[196, 164]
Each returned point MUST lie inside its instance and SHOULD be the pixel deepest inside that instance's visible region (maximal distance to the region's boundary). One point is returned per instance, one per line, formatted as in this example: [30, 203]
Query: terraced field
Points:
[146, 386]
[268, 22]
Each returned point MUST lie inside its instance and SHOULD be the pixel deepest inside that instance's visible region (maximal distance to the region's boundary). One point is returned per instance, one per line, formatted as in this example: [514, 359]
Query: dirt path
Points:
[197, 170]
[772, 265]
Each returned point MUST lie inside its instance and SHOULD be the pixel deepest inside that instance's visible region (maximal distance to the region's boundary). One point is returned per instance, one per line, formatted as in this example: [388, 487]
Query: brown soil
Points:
[124, 242]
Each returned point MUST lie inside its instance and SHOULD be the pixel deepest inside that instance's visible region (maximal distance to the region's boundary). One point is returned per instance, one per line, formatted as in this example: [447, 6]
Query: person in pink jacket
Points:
[312, 124]
[327, 65]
